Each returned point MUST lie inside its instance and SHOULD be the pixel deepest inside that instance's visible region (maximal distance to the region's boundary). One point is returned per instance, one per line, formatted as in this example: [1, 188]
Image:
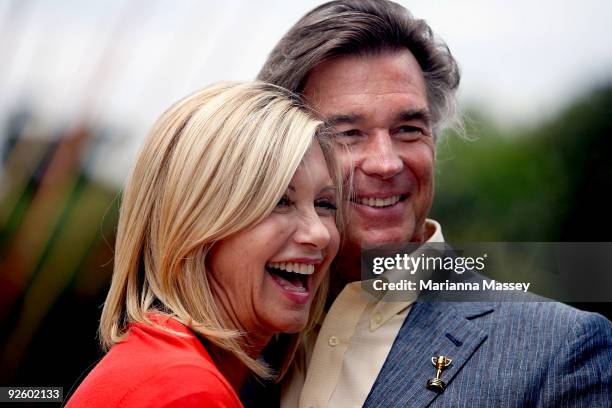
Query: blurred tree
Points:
[541, 184]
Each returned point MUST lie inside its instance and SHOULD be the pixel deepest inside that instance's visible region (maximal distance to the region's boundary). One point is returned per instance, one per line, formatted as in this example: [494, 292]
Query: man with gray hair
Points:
[386, 85]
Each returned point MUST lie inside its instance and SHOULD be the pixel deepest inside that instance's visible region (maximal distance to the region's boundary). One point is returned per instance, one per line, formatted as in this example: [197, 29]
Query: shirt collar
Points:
[385, 310]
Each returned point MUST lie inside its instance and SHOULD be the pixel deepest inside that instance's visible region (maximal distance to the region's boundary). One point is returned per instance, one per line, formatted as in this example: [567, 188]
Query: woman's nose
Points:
[312, 231]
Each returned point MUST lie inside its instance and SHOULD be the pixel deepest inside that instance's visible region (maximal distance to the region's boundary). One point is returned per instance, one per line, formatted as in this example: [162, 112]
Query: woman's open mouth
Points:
[294, 278]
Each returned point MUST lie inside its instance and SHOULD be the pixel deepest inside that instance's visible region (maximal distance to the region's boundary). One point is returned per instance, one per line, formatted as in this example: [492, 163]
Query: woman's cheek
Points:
[280, 233]
[334, 243]
[335, 234]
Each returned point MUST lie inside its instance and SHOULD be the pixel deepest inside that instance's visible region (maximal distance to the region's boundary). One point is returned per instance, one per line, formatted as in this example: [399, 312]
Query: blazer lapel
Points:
[431, 329]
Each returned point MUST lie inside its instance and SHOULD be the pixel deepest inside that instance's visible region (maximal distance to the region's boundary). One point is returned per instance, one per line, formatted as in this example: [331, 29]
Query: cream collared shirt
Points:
[350, 349]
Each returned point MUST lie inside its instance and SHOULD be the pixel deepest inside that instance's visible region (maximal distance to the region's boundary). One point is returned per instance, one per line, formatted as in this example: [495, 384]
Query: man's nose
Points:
[382, 160]
[312, 231]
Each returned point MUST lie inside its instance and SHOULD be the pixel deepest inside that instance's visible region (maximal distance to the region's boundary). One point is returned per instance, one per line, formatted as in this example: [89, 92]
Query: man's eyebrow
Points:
[352, 118]
[415, 114]
[346, 119]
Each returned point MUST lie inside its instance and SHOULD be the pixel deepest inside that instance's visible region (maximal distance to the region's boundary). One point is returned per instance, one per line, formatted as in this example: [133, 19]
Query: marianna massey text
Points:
[405, 285]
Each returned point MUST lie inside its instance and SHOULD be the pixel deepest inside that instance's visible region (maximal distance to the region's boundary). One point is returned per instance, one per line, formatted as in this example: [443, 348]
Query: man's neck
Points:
[347, 266]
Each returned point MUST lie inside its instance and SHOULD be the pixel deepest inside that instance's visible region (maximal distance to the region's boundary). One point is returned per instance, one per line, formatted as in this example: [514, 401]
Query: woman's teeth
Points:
[291, 276]
[301, 268]
[378, 202]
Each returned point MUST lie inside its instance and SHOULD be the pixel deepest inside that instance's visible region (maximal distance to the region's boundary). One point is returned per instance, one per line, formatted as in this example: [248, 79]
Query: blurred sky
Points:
[122, 62]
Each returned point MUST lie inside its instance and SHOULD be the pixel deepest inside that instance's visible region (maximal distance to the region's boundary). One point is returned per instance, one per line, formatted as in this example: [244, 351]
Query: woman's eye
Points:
[326, 206]
[284, 202]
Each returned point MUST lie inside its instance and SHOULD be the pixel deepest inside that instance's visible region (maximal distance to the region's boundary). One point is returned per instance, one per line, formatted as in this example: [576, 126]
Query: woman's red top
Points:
[154, 368]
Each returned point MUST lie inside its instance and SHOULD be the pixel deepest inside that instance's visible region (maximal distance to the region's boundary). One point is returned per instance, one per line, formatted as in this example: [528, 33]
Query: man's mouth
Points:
[291, 276]
[377, 202]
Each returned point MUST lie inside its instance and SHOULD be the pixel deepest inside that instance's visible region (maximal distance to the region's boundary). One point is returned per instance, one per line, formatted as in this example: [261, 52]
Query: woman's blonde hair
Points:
[214, 164]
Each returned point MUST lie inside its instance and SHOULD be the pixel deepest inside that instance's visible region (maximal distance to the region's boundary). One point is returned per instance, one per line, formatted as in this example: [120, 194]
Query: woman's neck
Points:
[234, 371]
[252, 342]
[232, 368]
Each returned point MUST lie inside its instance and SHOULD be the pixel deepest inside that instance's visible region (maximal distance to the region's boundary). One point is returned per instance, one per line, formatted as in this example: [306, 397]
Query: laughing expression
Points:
[264, 278]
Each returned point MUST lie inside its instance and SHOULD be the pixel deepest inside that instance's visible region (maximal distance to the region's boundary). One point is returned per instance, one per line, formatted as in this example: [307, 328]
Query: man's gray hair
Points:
[365, 27]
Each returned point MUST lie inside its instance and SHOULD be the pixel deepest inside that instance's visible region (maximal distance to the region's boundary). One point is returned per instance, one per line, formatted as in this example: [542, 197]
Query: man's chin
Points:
[376, 239]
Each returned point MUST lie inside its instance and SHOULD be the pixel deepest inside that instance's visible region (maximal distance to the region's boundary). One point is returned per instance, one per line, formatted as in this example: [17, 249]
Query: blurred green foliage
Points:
[544, 183]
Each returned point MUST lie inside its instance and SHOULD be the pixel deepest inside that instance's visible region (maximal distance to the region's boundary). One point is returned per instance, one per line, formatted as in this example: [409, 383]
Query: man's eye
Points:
[409, 132]
[409, 129]
[349, 133]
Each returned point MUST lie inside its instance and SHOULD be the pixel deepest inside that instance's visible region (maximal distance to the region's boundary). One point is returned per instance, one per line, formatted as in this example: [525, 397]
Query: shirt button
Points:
[333, 341]
[378, 318]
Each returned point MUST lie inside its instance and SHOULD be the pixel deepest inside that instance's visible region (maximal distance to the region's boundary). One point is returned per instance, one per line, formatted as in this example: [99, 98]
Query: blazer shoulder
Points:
[554, 318]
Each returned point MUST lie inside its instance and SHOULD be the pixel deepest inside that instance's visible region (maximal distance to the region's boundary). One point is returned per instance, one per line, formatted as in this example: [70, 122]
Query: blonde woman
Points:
[226, 231]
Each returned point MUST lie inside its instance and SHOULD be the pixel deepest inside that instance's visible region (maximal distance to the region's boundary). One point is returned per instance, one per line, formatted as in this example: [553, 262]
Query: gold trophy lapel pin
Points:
[436, 383]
